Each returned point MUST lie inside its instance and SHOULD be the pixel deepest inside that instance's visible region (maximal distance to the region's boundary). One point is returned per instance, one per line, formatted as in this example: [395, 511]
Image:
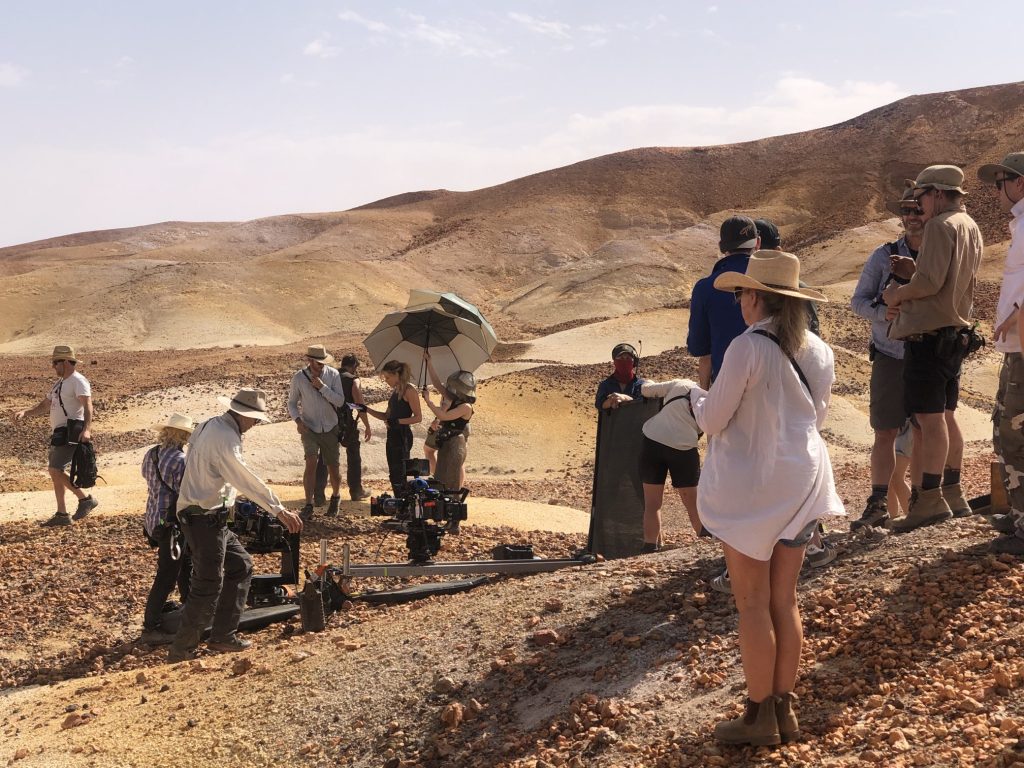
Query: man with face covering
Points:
[623, 385]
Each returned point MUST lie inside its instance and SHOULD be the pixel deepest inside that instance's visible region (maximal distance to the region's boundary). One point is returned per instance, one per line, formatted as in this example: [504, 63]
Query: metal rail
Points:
[442, 568]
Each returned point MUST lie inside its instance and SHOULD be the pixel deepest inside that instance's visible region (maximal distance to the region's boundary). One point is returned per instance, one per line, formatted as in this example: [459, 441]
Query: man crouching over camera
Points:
[221, 568]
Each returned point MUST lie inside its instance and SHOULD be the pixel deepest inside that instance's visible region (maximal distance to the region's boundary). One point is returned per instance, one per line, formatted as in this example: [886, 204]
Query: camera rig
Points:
[261, 533]
[422, 509]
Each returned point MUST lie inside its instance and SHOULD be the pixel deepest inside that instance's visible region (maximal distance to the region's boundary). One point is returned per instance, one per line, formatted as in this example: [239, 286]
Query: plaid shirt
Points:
[172, 467]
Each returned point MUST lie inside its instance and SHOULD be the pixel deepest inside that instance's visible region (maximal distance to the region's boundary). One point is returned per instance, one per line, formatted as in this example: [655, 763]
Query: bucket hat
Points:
[1013, 164]
[948, 178]
[248, 402]
[176, 421]
[63, 352]
[771, 271]
[462, 385]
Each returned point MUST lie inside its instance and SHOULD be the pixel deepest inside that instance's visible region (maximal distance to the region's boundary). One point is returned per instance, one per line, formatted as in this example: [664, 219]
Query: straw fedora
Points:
[319, 352]
[63, 352]
[176, 421]
[1012, 164]
[770, 271]
[248, 402]
[948, 178]
[895, 207]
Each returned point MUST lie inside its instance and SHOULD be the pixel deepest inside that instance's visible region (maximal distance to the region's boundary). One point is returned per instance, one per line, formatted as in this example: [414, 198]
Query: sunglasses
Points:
[1003, 180]
[918, 211]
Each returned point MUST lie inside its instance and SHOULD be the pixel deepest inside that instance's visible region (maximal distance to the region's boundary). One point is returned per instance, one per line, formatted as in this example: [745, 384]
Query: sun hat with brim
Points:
[896, 206]
[948, 178]
[176, 421]
[462, 385]
[63, 352]
[248, 402]
[1013, 164]
[770, 271]
[318, 352]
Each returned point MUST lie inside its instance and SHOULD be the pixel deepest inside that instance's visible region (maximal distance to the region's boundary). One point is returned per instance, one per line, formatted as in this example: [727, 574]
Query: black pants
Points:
[168, 572]
[353, 470]
[398, 448]
[221, 572]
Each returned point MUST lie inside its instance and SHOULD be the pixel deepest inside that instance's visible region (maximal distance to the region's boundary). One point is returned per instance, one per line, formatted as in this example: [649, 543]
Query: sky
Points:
[116, 114]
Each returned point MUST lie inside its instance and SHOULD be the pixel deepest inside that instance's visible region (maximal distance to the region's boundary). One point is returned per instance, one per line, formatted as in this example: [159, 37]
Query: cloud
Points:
[11, 75]
[553, 29]
[374, 26]
[712, 9]
[320, 49]
[417, 29]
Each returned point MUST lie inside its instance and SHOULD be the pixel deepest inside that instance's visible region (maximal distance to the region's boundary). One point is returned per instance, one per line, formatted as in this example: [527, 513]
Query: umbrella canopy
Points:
[453, 305]
[455, 343]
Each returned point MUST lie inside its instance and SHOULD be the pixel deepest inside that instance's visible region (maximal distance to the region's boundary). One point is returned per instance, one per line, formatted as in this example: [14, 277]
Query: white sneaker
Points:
[721, 583]
[816, 557]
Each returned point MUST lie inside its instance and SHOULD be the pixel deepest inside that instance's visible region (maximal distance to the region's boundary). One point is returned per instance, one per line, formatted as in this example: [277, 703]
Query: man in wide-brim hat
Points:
[1007, 179]
[69, 402]
[928, 314]
[314, 398]
[221, 568]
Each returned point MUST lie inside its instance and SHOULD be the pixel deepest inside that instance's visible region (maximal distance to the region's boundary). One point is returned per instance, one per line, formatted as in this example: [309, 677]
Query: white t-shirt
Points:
[69, 389]
[674, 424]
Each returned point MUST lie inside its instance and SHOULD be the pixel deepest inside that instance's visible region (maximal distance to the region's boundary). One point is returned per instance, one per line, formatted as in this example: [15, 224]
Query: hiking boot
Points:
[1004, 523]
[59, 518]
[320, 499]
[176, 654]
[721, 583]
[85, 506]
[757, 726]
[1008, 545]
[230, 644]
[156, 637]
[926, 508]
[307, 513]
[876, 514]
[332, 508]
[956, 500]
[789, 726]
[817, 557]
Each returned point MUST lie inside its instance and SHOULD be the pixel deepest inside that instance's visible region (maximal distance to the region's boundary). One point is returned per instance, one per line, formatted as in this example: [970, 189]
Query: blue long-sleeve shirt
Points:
[872, 280]
[715, 317]
[611, 385]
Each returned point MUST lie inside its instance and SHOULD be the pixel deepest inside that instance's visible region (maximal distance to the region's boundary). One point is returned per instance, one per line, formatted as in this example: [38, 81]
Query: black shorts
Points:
[931, 381]
[658, 459]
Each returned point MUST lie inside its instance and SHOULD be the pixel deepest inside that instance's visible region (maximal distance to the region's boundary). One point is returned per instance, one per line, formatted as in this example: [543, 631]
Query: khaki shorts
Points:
[60, 456]
[325, 443]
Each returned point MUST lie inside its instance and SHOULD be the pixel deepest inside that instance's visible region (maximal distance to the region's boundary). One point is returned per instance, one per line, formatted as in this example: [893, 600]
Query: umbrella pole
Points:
[423, 362]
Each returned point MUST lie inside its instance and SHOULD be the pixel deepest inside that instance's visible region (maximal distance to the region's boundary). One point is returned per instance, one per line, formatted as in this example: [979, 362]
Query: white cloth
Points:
[1012, 289]
[69, 389]
[674, 424]
[317, 407]
[767, 473]
[215, 469]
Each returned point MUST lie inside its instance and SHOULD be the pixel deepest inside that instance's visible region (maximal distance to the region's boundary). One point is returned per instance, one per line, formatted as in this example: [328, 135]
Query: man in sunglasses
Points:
[888, 263]
[69, 402]
[929, 314]
[1007, 178]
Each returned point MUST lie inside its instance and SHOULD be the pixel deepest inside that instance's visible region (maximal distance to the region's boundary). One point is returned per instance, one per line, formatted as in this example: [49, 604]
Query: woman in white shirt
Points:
[670, 446]
[767, 479]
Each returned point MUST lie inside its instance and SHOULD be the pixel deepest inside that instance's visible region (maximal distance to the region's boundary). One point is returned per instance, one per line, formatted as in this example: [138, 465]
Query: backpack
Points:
[83, 471]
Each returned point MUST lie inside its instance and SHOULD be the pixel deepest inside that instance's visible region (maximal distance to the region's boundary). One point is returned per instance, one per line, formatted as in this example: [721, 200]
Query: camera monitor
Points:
[417, 467]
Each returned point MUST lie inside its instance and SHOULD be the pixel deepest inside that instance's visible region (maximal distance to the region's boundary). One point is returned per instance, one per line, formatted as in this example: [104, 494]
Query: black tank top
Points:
[455, 426]
[398, 408]
[347, 380]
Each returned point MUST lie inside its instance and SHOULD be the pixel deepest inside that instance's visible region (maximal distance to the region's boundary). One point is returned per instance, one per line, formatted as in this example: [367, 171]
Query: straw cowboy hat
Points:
[896, 206]
[176, 421]
[248, 402]
[948, 178]
[770, 271]
[1013, 164]
[63, 352]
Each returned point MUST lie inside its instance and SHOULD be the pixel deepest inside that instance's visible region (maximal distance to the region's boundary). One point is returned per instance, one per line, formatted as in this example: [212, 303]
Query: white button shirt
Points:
[316, 407]
[1012, 289]
[215, 459]
[767, 473]
[673, 425]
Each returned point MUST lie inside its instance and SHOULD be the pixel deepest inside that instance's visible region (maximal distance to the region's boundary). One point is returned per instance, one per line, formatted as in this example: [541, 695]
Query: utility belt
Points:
[196, 515]
[952, 340]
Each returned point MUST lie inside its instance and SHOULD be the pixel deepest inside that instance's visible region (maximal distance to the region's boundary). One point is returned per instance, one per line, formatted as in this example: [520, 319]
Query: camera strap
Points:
[800, 373]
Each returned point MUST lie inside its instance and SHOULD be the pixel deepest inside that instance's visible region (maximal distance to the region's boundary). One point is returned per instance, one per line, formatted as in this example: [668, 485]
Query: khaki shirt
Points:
[941, 292]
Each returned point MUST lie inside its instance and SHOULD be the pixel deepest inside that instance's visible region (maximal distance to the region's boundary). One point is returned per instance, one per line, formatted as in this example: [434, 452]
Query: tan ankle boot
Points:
[757, 726]
[927, 508]
[958, 504]
[789, 726]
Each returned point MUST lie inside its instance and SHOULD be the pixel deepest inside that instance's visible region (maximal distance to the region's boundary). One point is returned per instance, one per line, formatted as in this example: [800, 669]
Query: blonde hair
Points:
[790, 316]
[402, 370]
[169, 437]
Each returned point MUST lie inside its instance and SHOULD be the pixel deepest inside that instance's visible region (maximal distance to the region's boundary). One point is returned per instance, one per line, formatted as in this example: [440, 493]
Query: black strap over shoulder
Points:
[677, 397]
[894, 248]
[799, 372]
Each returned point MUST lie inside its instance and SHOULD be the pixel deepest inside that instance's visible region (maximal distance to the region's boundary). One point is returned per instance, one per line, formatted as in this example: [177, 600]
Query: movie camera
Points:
[422, 509]
[260, 533]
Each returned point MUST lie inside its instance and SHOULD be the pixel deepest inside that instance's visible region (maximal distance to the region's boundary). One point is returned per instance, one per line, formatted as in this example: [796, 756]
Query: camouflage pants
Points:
[1008, 431]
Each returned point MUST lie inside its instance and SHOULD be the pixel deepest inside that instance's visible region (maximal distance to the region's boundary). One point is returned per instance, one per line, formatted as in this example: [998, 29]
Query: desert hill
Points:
[624, 232]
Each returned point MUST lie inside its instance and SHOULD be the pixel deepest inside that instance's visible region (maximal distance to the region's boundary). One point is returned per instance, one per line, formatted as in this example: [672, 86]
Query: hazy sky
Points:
[123, 113]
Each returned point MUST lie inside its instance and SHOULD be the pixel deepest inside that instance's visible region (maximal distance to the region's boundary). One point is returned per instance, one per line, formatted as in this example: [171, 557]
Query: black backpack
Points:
[83, 471]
